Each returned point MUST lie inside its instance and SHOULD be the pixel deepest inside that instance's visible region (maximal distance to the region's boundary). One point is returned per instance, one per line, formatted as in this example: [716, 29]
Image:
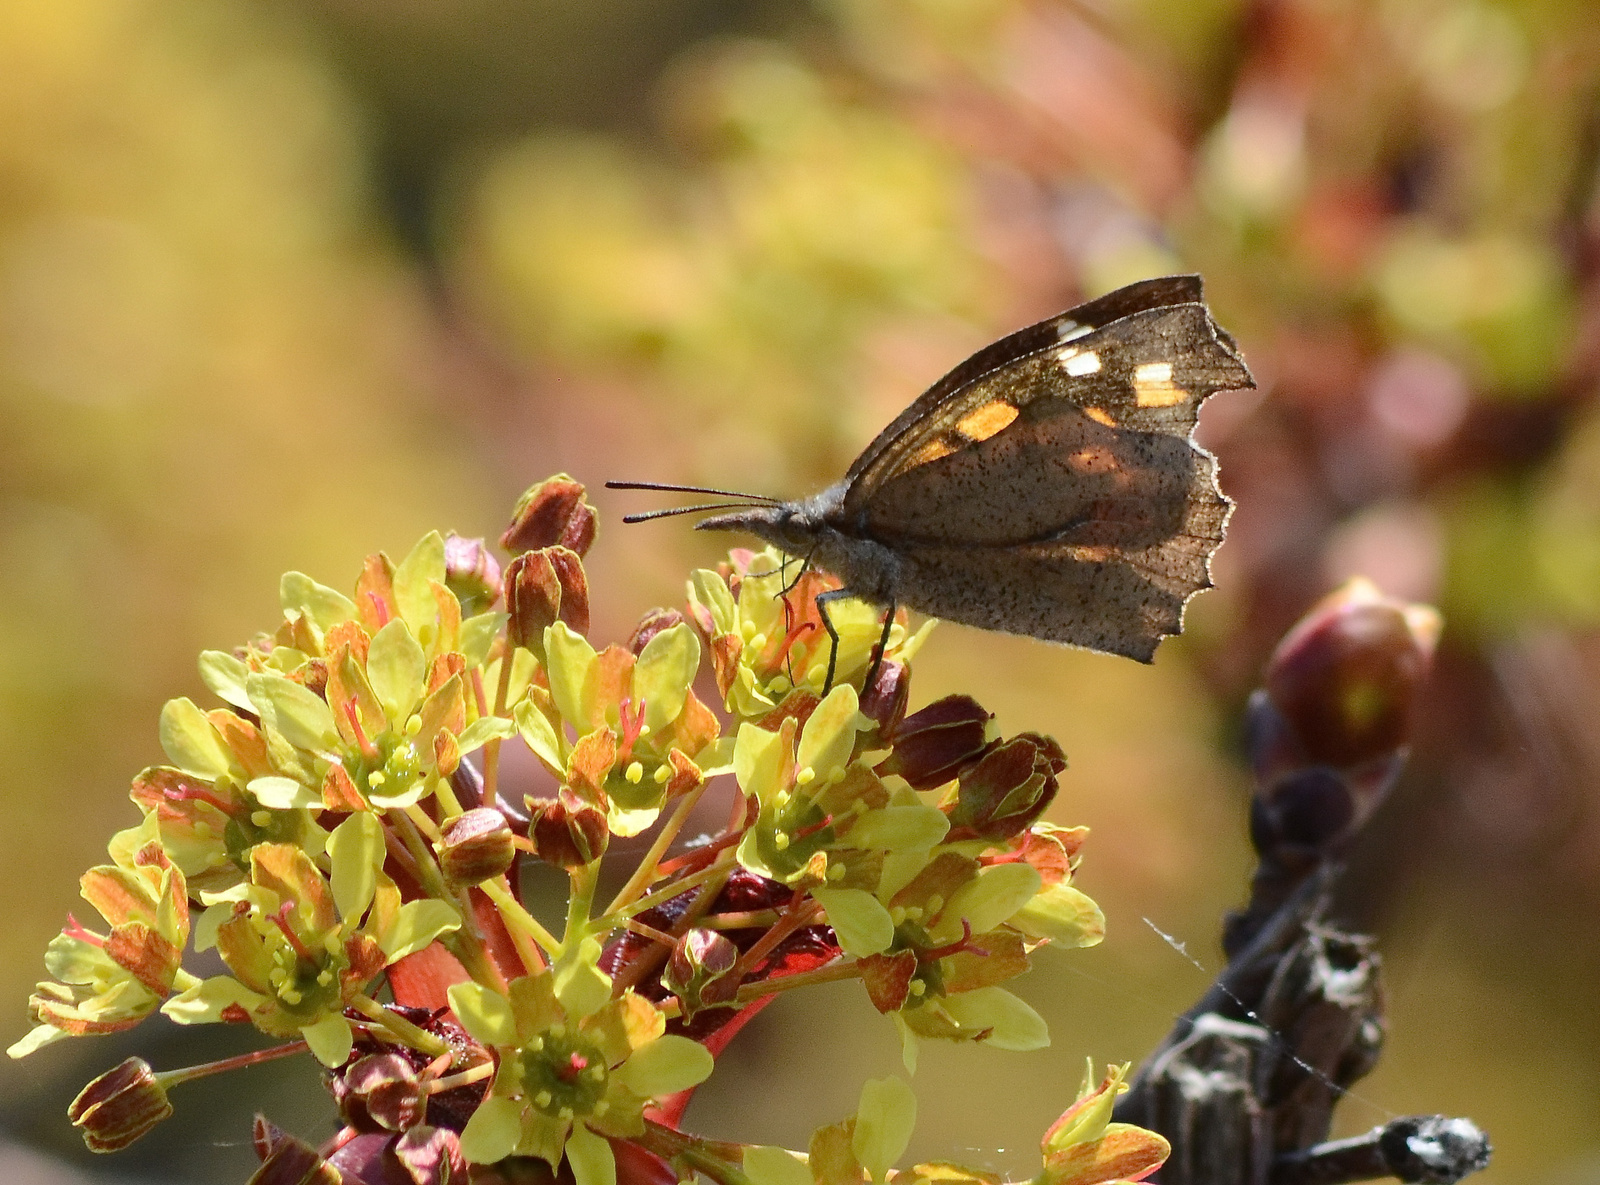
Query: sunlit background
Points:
[283, 283]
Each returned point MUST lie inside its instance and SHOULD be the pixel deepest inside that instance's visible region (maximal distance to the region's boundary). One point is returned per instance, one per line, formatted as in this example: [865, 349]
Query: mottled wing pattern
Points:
[1059, 494]
[933, 410]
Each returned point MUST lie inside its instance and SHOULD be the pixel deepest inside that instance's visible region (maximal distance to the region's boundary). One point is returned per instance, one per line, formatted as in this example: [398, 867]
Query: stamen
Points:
[368, 749]
[281, 920]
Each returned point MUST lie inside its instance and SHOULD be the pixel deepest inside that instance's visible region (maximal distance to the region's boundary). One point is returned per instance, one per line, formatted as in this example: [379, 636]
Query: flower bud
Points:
[543, 587]
[566, 831]
[697, 972]
[430, 1155]
[551, 514]
[1008, 789]
[381, 1087]
[476, 847]
[471, 572]
[885, 700]
[286, 1160]
[651, 624]
[119, 1106]
[1346, 677]
[932, 746]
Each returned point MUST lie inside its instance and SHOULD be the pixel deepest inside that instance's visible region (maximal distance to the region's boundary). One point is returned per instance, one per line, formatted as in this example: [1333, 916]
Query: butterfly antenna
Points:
[666, 488]
[647, 515]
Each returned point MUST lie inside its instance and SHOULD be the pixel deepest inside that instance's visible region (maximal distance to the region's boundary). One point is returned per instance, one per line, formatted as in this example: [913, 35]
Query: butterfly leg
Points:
[841, 594]
[883, 649]
[823, 601]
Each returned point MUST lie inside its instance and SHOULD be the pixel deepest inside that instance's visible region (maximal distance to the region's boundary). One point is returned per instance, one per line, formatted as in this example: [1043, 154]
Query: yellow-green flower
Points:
[640, 734]
[113, 981]
[766, 641]
[301, 949]
[576, 1065]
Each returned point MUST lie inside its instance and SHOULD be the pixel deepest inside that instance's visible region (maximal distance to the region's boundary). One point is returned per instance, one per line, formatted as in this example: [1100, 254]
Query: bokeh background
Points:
[283, 283]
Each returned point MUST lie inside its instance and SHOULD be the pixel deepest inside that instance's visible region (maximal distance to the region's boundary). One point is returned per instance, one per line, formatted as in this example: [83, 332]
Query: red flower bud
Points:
[551, 514]
[651, 624]
[386, 1089]
[1008, 789]
[543, 587]
[476, 847]
[1346, 677]
[932, 746]
[697, 970]
[567, 831]
[885, 700]
[119, 1106]
[471, 572]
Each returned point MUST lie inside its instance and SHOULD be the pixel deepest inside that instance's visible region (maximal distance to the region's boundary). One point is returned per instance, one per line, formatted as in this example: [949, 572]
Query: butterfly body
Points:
[1048, 486]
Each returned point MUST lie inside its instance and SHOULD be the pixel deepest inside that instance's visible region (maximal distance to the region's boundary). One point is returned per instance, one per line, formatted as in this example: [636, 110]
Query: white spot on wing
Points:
[1152, 373]
[1071, 331]
[1078, 365]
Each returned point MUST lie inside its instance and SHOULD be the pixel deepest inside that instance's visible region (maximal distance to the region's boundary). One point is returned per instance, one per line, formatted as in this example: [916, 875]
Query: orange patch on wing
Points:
[1153, 386]
[932, 451]
[1100, 416]
[984, 422]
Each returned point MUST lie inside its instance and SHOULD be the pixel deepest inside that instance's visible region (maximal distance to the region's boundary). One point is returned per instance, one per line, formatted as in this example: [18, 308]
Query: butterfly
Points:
[1048, 486]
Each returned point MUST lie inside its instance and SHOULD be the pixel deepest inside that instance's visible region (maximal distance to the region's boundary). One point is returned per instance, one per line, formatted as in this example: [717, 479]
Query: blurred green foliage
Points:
[283, 284]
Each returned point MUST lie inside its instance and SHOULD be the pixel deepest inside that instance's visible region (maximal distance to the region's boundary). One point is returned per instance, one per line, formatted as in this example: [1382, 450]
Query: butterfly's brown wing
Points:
[1058, 493]
[1063, 327]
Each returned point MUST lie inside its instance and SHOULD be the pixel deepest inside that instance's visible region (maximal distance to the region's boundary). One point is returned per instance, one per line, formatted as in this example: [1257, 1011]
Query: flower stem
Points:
[580, 901]
[491, 751]
[676, 889]
[466, 943]
[801, 912]
[403, 1030]
[832, 973]
[647, 869]
[171, 1078]
[713, 1158]
[519, 920]
[465, 1078]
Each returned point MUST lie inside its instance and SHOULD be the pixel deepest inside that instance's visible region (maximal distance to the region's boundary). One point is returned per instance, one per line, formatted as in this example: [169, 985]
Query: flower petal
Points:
[769, 1165]
[590, 1157]
[862, 924]
[884, 1122]
[330, 1040]
[397, 670]
[1064, 915]
[667, 1065]
[484, 1013]
[492, 1132]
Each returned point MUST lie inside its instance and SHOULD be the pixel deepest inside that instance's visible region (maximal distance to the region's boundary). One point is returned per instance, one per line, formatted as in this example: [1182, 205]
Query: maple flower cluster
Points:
[341, 828]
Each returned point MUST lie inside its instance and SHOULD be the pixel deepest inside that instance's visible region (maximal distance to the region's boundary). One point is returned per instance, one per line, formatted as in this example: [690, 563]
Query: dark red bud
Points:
[119, 1106]
[430, 1155]
[385, 1085]
[552, 514]
[543, 587]
[1005, 792]
[471, 572]
[1347, 676]
[292, 1161]
[885, 700]
[697, 971]
[567, 831]
[651, 624]
[932, 746]
[476, 847]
